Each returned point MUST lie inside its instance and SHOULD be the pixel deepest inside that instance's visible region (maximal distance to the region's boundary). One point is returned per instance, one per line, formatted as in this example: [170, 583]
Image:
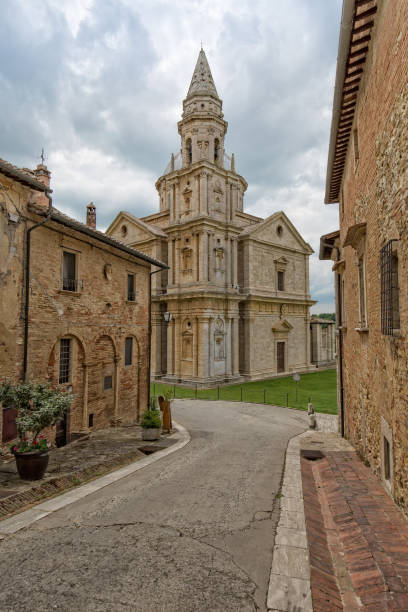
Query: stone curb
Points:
[289, 583]
[28, 517]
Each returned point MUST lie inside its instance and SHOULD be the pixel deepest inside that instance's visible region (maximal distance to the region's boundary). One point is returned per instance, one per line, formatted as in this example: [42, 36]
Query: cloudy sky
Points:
[99, 84]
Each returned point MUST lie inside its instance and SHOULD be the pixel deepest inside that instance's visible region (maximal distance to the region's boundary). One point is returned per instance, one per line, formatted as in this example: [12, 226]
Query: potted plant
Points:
[38, 406]
[151, 425]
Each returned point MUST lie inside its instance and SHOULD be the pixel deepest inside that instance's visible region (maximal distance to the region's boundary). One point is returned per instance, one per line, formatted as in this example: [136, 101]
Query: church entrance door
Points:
[280, 356]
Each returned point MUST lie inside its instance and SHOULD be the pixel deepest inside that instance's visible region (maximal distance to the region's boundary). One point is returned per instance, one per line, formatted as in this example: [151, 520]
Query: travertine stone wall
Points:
[375, 191]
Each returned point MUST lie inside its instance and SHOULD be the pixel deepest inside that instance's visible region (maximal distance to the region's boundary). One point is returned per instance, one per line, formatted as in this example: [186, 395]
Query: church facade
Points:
[235, 302]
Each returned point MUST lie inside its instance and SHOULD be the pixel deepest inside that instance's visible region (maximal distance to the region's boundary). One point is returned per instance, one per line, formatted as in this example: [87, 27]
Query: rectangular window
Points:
[356, 146]
[128, 351]
[65, 360]
[69, 282]
[90, 420]
[390, 316]
[387, 457]
[281, 280]
[107, 382]
[362, 292]
[131, 288]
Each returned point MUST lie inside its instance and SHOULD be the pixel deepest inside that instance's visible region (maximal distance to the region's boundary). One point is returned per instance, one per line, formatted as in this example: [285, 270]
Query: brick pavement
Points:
[357, 537]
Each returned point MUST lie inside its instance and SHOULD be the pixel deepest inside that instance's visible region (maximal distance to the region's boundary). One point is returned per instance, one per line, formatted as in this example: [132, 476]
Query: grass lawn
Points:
[320, 387]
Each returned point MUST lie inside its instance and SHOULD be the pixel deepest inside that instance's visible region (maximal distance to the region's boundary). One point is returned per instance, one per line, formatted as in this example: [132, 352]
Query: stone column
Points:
[210, 258]
[308, 341]
[171, 207]
[235, 346]
[228, 346]
[196, 349]
[177, 346]
[176, 191]
[234, 248]
[196, 272]
[85, 424]
[227, 263]
[318, 343]
[170, 338]
[210, 354]
[170, 260]
[203, 350]
[177, 261]
[116, 411]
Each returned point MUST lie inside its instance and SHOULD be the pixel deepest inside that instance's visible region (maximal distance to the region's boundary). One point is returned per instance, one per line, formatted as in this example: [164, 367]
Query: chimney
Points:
[91, 215]
[42, 175]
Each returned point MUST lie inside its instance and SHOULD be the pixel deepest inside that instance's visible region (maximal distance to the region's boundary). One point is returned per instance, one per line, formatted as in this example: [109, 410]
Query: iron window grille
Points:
[131, 288]
[128, 351]
[389, 290]
[65, 359]
[72, 284]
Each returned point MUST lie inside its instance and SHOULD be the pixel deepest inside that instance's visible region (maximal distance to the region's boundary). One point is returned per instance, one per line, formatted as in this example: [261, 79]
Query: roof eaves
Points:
[22, 177]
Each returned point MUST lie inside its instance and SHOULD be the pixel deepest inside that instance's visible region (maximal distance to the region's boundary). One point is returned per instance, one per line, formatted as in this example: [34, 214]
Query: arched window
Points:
[189, 148]
[216, 150]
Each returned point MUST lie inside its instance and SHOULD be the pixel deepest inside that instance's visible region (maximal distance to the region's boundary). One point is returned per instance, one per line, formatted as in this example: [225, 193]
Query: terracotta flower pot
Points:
[32, 464]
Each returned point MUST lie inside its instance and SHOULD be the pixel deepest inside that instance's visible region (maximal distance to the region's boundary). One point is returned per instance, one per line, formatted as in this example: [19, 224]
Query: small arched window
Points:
[189, 148]
[216, 150]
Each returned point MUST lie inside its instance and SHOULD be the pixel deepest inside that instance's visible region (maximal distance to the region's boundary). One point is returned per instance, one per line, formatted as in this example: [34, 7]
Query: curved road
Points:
[193, 531]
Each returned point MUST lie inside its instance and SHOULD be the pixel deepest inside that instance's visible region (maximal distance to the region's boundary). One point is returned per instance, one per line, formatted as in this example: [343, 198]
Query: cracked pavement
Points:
[194, 530]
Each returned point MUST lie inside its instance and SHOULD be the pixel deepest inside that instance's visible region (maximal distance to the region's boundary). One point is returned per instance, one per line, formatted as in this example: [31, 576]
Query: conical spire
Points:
[202, 82]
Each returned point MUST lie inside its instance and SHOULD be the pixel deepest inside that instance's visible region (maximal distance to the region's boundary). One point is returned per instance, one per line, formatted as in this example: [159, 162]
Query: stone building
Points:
[86, 309]
[237, 293]
[367, 176]
[322, 342]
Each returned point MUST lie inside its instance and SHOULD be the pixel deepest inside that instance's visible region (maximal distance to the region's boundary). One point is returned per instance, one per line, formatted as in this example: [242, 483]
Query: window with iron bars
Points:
[69, 272]
[65, 360]
[390, 319]
[131, 288]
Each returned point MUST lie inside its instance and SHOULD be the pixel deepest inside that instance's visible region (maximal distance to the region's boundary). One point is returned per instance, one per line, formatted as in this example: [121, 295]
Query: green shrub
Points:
[151, 419]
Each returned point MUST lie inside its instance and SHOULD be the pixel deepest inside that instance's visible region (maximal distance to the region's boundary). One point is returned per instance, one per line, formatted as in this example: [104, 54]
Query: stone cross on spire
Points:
[202, 82]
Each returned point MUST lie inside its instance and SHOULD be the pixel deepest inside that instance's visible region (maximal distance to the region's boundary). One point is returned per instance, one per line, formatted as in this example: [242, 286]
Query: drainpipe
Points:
[149, 335]
[27, 284]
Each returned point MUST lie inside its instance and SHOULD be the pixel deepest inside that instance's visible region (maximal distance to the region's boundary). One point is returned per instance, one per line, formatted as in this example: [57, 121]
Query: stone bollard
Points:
[312, 416]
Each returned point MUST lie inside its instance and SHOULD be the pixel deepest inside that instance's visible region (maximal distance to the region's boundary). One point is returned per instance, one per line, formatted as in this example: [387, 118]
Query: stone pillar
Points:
[196, 348]
[227, 263]
[176, 191]
[85, 427]
[177, 346]
[210, 258]
[228, 346]
[170, 260]
[307, 288]
[235, 260]
[116, 410]
[171, 204]
[170, 348]
[308, 341]
[210, 354]
[177, 261]
[203, 350]
[235, 346]
[196, 273]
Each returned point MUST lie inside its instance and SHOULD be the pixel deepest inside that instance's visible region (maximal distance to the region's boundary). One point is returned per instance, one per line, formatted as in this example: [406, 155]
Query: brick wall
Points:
[97, 318]
[376, 192]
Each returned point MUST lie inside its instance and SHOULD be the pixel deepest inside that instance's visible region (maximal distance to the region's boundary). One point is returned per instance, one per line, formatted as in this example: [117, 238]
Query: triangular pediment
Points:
[130, 229]
[277, 230]
[282, 326]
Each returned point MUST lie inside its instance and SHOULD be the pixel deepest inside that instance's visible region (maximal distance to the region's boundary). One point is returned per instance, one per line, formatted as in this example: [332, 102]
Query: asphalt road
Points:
[193, 531]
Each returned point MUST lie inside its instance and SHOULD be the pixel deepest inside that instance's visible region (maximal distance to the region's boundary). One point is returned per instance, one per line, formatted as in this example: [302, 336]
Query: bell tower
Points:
[202, 127]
